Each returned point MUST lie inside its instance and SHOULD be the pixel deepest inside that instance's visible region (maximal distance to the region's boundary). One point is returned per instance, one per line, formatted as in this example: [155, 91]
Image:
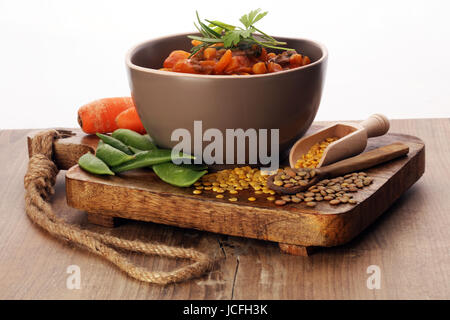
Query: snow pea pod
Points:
[148, 158]
[92, 164]
[196, 167]
[110, 155]
[178, 176]
[133, 139]
[135, 150]
[113, 142]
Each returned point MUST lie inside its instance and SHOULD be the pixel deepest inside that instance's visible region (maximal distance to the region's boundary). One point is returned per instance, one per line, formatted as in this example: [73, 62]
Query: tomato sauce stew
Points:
[216, 60]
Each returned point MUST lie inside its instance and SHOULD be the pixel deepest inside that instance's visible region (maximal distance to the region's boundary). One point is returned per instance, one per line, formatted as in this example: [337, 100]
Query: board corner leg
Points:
[296, 250]
[102, 220]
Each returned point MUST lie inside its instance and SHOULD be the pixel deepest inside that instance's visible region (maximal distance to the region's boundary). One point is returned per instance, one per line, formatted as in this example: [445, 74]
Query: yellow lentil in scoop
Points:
[312, 158]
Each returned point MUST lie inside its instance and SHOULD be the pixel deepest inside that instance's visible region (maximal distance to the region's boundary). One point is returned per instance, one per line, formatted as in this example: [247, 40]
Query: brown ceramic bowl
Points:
[165, 101]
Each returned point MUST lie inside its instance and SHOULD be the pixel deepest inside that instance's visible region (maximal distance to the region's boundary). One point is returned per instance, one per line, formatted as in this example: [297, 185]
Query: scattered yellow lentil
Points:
[235, 180]
[197, 191]
[312, 158]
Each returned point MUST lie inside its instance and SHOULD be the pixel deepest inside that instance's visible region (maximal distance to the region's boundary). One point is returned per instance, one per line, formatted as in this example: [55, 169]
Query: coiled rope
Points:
[39, 181]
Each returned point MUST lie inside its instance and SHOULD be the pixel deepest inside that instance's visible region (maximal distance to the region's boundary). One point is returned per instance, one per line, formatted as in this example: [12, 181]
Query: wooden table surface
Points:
[410, 243]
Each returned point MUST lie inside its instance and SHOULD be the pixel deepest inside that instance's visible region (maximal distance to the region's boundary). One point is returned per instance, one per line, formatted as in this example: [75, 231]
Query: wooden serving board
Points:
[141, 195]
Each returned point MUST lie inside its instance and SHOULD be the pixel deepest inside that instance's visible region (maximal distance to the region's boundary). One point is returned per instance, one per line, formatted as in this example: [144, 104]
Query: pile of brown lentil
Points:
[312, 158]
[335, 191]
[289, 177]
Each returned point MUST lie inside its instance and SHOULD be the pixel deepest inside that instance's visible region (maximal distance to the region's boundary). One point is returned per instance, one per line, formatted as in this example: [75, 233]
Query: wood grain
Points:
[410, 243]
[141, 195]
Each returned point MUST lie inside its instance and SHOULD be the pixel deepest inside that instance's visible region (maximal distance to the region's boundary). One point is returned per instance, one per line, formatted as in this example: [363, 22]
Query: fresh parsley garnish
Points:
[214, 32]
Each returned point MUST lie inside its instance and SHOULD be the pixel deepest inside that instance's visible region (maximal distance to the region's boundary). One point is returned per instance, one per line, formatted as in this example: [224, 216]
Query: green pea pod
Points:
[133, 139]
[178, 176]
[110, 155]
[149, 158]
[135, 150]
[92, 164]
[196, 167]
[113, 142]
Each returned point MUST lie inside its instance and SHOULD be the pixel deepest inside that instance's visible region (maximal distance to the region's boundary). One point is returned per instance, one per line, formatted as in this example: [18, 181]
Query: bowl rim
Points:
[138, 46]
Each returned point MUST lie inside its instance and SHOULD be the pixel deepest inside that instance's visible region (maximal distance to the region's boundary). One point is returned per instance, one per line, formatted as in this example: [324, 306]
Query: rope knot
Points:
[42, 171]
[39, 181]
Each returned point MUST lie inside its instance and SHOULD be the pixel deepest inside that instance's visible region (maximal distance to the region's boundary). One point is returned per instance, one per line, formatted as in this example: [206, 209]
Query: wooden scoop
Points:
[352, 139]
[357, 163]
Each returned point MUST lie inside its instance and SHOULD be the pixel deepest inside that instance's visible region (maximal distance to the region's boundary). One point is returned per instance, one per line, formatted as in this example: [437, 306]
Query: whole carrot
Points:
[129, 119]
[99, 116]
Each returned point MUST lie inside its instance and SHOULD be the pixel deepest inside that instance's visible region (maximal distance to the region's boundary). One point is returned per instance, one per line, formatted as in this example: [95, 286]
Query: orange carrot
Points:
[306, 60]
[233, 65]
[174, 57]
[263, 56]
[129, 119]
[196, 42]
[99, 115]
[223, 62]
[209, 53]
[184, 65]
[296, 60]
[259, 68]
[274, 67]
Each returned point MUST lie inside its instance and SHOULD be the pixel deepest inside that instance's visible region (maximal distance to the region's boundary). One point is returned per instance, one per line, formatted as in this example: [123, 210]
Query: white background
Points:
[385, 56]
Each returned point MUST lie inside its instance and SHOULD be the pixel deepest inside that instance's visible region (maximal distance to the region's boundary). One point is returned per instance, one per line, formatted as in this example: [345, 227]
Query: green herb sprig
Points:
[233, 36]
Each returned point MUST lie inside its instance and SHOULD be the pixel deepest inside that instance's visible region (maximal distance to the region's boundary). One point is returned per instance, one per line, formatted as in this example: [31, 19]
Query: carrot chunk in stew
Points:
[296, 60]
[223, 62]
[210, 53]
[274, 67]
[174, 57]
[259, 68]
[184, 66]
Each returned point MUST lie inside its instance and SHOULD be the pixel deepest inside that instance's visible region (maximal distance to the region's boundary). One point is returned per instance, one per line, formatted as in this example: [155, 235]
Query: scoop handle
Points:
[365, 160]
[376, 125]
